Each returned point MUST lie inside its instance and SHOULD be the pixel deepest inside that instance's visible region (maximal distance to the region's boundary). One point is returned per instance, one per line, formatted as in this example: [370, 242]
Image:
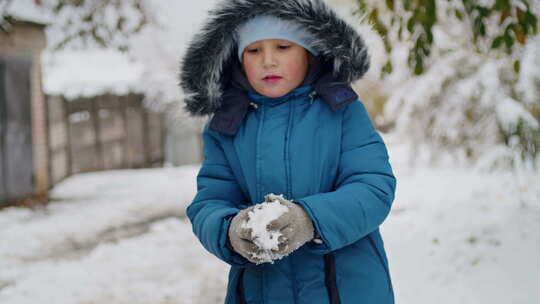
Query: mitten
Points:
[296, 226]
[241, 239]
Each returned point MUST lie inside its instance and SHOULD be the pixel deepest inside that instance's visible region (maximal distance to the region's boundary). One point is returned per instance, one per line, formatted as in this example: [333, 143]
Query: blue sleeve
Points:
[216, 201]
[365, 186]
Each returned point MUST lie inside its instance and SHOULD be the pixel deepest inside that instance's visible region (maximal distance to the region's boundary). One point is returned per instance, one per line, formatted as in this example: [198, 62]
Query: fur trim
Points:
[210, 51]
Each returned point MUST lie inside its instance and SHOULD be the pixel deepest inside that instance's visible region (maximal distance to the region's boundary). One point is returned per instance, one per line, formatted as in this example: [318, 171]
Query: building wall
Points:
[24, 39]
[27, 40]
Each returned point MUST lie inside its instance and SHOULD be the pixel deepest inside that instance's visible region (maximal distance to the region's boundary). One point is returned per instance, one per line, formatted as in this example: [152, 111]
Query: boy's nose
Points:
[269, 59]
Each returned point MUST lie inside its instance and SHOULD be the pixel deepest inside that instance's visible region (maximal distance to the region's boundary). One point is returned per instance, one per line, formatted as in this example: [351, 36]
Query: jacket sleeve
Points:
[216, 202]
[365, 186]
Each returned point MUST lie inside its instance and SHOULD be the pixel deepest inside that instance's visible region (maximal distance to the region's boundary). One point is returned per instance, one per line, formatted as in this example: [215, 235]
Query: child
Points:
[276, 76]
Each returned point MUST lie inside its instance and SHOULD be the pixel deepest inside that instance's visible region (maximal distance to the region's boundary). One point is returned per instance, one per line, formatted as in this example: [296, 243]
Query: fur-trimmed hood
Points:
[206, 66]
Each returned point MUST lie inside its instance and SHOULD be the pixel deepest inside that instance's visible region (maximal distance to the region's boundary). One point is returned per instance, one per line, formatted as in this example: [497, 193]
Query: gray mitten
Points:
[296, 226]
[241, 239]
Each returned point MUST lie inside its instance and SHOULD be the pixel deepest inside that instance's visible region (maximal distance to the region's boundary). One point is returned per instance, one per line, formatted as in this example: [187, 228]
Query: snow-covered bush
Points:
[472, 100]
[467, 104]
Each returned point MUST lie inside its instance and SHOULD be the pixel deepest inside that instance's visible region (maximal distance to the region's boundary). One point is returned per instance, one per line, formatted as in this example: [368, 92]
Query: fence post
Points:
[162, 136]
[124, 110]
[69, 159]
[145, 134]
[94, 116]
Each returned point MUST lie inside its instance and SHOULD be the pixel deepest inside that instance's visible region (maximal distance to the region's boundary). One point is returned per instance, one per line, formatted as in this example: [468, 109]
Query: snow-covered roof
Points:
[90, 73]
[29, 11]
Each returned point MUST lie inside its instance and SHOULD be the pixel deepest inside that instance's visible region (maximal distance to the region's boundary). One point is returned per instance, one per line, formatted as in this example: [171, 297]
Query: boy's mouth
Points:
[272, 78]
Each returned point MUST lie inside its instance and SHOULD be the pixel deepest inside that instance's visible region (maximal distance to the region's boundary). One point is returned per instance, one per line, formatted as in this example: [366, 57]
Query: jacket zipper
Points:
[258, 178]
[257, 156]
[289, 187]
[288, 178]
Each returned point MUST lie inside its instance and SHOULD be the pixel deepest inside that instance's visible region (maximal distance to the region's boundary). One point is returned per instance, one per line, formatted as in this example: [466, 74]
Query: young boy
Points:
[276, 76]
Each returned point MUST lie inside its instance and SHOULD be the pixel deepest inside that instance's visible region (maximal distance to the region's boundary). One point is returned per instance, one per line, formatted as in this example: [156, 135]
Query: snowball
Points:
[267, 240]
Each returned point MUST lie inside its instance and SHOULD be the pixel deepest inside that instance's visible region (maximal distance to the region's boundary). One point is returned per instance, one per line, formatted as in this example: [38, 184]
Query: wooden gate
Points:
[16, 161]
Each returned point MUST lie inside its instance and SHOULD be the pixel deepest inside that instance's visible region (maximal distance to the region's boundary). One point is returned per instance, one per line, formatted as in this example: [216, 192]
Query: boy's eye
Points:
[284, 47]
[253, 50]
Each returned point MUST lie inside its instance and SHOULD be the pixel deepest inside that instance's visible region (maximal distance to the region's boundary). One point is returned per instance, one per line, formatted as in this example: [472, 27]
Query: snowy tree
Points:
[492, 25]
[161, 45]
[464, 75]
[83, 23]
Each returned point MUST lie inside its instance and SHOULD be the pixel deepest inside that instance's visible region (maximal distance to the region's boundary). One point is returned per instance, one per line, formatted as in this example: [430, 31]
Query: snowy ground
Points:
[110, 237]
[118, 237]
[456, 236]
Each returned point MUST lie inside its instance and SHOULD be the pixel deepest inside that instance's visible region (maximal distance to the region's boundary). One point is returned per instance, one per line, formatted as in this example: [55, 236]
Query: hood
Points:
[206, 66]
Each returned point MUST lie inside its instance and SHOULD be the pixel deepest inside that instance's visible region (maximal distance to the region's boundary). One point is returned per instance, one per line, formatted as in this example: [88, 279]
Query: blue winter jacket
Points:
[316, 145]
[332, 163]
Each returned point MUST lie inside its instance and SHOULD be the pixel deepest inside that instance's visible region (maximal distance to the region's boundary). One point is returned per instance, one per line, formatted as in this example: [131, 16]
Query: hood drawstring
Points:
[312, 96]
[255, 106]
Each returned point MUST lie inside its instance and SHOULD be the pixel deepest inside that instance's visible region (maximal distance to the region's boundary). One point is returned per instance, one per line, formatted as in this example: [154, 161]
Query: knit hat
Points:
[269, 27]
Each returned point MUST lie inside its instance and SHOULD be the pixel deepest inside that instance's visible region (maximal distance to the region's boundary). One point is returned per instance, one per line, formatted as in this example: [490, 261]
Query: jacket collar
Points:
[235, 104]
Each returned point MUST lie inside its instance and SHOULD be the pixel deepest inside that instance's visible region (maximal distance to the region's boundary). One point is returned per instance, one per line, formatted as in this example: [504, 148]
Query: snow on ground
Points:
[109, 237]
[462, 237]
[454, 235]
[164, 265]
[94, 204]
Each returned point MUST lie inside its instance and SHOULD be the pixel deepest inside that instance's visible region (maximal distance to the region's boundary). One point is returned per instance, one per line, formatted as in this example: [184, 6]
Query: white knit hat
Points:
[270, 27]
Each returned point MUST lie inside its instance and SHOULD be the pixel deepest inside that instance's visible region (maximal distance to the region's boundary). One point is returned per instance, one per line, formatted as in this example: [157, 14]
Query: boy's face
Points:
[274, 67]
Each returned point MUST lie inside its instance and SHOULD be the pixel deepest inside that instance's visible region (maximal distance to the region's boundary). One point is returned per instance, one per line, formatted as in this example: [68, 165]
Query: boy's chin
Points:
[274, 92]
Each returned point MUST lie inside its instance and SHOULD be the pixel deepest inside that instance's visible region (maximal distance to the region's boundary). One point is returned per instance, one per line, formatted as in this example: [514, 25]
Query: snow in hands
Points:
[265, 238]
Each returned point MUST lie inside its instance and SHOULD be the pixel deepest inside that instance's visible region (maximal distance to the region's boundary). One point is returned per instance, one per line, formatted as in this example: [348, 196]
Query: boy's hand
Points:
[296, 226]
[241, 239]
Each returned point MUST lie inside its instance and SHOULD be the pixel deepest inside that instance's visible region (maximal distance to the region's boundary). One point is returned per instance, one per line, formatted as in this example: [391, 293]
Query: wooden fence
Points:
[102, 133]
